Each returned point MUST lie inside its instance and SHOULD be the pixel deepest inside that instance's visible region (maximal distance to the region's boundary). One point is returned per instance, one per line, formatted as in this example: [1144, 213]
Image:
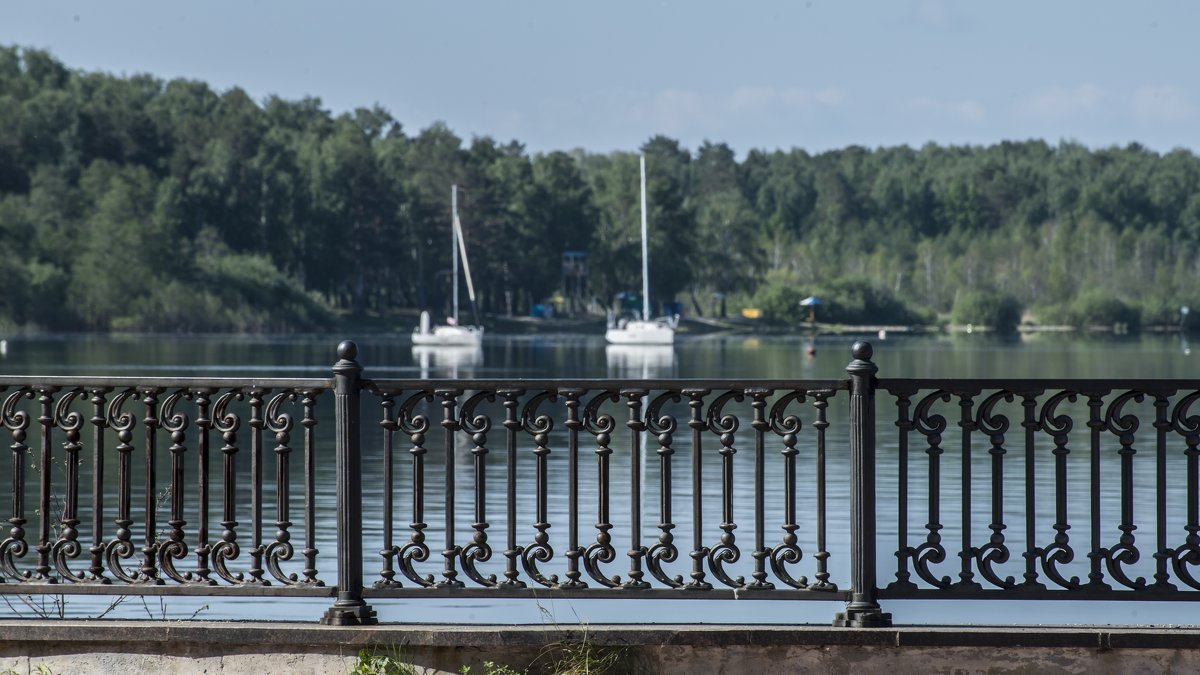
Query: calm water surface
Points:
[586, 356]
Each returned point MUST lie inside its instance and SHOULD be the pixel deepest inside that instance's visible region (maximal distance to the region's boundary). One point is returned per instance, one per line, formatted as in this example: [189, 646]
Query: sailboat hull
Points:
[641, 333]
[450, 336]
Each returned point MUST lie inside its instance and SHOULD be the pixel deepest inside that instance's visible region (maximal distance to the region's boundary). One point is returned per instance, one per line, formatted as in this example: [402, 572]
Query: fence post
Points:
[350, 608]
[863, 610]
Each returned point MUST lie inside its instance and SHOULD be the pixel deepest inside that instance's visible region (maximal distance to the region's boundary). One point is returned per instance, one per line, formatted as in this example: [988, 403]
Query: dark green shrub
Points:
[998, 311]
[1097, 308]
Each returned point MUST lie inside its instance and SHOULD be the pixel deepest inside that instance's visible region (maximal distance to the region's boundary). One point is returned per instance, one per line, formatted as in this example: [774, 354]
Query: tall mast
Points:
[454, 247]
[645, 252]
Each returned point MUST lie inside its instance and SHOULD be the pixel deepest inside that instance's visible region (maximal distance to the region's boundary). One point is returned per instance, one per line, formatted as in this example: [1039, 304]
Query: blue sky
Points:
[557, 74]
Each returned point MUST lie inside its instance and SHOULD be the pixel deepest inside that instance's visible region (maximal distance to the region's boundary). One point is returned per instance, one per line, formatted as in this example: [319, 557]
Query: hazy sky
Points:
[606, 75]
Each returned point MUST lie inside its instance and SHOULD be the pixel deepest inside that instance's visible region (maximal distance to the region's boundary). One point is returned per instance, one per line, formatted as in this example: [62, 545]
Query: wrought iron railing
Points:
[363, 490]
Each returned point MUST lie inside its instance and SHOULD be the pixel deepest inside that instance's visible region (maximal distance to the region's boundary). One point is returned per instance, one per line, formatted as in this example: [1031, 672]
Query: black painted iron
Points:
[1079, 453]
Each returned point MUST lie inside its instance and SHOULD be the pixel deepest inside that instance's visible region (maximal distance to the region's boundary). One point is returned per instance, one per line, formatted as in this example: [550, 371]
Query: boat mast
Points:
[645, 252]
[454, 247]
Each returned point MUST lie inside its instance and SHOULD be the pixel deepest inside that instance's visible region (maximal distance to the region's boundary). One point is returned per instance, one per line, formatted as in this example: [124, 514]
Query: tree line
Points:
[129, 202]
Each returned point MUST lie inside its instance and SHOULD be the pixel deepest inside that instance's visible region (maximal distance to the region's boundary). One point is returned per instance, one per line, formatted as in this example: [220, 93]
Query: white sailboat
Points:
[643, 330]
[452, 333]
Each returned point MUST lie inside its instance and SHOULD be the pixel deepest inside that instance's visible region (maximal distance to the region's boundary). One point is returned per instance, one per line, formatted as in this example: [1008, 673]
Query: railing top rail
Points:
[1038, 385]
[608, 384]
[121, 382]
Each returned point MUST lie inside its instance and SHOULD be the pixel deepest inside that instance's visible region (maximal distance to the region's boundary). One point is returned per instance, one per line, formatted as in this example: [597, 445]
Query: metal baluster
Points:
[822, 583]
[787, 552]
[67, 546]
[1096, 424]
[256, 487]
[726, 551]
[388, 552]
[512, 424]
[758, 402]
[1126, 551]
[15, 545]
[450, 425]
[968, 552]
[1189, 552]
[416, 550]
[574, 550]
[699, 550]
[903, 550]
[281, 548]
[121, 548]
[310, 490]
[203, 425]
[1162, 554]
[664, 550]
[636, 427]
[539, 426]
[995, 552]
[45, 398]
[99, 422]
[174, 548]
[1059, 552]
[1029, 403]
[601, 550]
[478, 425]
[148, 570]
[228, 423]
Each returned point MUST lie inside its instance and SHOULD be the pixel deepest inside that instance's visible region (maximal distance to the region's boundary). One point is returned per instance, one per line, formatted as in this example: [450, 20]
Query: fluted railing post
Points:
[863, 610]
[350, 609]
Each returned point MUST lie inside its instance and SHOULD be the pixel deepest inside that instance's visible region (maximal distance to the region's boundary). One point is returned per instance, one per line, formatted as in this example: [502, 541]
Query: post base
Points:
[350, 615]
[858, 618]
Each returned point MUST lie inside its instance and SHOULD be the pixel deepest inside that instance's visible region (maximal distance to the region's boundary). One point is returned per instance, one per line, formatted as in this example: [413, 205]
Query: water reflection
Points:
[644, 362]
[447, 360]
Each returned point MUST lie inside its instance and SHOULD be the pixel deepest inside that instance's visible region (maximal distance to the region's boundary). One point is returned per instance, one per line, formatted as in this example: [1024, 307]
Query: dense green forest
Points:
[134, 203]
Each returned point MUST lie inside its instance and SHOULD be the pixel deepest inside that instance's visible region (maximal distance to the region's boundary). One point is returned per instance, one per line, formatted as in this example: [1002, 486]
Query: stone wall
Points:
[135, 647]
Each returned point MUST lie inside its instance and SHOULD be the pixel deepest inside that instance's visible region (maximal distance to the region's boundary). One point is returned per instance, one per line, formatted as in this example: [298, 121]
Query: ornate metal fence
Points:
[363, 490]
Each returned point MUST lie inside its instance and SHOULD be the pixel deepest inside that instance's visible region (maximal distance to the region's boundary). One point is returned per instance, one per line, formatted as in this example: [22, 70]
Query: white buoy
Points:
[882, 334]
[3, 347]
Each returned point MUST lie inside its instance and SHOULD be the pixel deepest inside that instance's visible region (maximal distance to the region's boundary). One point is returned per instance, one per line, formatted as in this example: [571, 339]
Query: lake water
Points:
[586, 356]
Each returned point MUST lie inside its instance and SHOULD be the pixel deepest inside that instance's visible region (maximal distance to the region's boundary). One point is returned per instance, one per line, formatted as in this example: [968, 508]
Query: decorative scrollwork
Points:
[1187, 555]
[594, 421]
[788, 553]
[539, 551]
[725, 552]
[601, 552]
[478, 425]
[415, 551]
[67, 546]
[929, 425]
[1057, 425]
[121, 548]
[1125, 552]
[281, 550]
[228, 422]
[657, 423]
[1059, 552]
[783, 424]
[718, 421]
[14, 546]
[788, 426]
[176, 423]
[534, 423]
[995, 552]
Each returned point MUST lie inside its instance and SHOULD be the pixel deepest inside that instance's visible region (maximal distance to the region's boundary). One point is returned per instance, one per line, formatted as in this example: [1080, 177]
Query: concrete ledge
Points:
[266, 647]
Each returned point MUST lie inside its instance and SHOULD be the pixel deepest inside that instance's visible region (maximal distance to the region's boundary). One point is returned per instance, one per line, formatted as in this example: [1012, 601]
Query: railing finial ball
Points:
[347, 350]
[862, 350]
